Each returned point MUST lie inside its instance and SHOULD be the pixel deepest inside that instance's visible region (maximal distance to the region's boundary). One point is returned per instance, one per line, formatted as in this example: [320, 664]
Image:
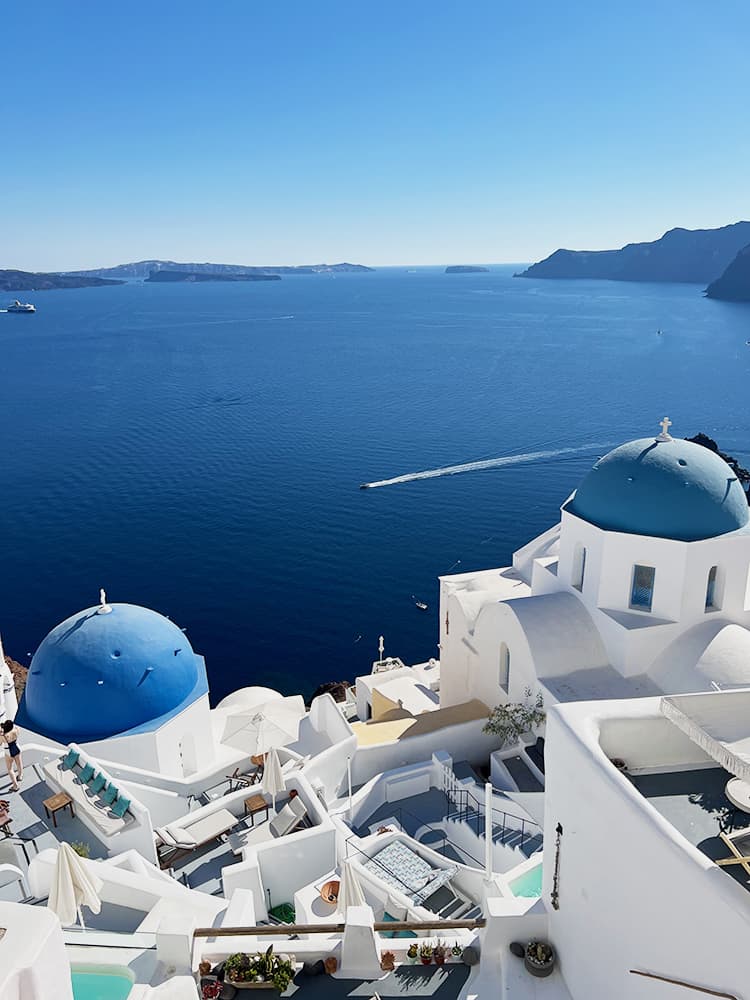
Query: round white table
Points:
[738, 793]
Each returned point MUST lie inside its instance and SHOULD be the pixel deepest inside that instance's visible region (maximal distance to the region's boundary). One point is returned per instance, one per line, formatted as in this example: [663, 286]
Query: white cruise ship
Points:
[20, 307]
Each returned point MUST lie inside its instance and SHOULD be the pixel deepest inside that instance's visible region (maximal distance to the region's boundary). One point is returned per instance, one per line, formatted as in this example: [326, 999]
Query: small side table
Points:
[55, 803]
[255, 804]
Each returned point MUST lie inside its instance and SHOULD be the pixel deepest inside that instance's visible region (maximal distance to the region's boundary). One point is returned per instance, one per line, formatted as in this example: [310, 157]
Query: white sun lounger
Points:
[286, 821]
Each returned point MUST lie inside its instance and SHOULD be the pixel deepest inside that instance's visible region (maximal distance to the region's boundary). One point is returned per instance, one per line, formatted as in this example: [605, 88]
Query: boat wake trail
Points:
[488, 463]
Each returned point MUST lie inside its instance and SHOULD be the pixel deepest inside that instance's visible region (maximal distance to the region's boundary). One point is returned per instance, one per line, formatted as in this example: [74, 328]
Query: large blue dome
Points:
[664, 488]
[99, 674]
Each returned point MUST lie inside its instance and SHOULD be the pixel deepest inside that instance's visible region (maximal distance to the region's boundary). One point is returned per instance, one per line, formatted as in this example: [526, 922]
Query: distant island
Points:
[734, 284]
[681, 255]
[465, 269]
[175, 276]
[143, 268]
[31, 281]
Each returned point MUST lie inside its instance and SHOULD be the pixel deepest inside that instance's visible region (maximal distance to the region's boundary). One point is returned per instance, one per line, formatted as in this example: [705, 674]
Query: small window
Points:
[712, 591]
[579, 567]
[504, 673]
[642, 591]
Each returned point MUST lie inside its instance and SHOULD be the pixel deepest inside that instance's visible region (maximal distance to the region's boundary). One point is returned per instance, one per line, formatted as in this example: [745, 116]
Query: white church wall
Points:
[731, 556]
[160, 750]
[615, 849]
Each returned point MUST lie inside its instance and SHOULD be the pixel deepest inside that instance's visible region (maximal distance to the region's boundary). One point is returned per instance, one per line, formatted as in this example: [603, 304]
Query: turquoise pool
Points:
[528, 884]
[101, 983]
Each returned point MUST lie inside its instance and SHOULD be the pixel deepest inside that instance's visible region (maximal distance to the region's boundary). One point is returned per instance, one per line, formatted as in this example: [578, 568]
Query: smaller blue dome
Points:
[98, 675]
[665, 489]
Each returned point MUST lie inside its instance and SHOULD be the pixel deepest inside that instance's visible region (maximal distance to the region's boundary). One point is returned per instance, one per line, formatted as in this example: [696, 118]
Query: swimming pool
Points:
[528, 884]
[101, 982]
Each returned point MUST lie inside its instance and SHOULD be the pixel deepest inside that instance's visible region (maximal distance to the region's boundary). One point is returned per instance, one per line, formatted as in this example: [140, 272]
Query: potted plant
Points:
[539, 959]
[439, 953]
[425, 953]
[456, 952]
[81, 848]
[204, 968]
[412, 953]
[387, 961]
[262, 971]
[516, 719]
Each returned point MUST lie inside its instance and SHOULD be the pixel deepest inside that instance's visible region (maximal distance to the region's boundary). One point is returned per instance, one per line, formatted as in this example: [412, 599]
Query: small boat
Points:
[420, 604]
[20, 307]
[364, 486]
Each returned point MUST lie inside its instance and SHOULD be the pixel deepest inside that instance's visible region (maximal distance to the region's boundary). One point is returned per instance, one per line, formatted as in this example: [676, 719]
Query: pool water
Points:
[528, 884]
[101, 984]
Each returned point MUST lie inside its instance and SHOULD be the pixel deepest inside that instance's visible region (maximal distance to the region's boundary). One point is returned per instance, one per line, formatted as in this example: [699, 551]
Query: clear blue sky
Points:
[401, 131]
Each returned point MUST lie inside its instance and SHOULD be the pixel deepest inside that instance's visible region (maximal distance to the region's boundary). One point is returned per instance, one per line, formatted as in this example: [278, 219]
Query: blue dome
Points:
[666, 489]
[97, 675]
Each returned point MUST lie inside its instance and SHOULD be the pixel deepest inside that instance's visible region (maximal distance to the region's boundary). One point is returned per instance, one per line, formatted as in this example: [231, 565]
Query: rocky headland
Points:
[176, 276]
[734, 284]
[680, 255]
[32, 281]
[143, 269]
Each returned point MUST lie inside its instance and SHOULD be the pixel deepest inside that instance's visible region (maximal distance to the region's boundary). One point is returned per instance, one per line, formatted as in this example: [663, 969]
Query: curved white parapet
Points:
[33, 954]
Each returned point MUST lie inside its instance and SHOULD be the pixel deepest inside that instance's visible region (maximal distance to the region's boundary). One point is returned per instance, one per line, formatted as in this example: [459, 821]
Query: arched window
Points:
[504, 672]
[579, 567]
[642, 590]
[713, 602]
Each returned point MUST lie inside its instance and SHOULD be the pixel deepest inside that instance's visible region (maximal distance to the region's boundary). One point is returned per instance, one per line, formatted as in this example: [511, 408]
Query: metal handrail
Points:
[681, 982]
[287, 930]
[461, 802]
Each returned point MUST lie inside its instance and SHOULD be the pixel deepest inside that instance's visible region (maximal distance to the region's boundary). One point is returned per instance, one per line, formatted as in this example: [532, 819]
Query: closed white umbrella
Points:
[273, 779]
[274, 724]
[72, 888]
[350, 889]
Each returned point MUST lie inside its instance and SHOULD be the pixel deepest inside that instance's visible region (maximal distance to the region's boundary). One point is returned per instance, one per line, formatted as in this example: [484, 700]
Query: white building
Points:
[642, 588]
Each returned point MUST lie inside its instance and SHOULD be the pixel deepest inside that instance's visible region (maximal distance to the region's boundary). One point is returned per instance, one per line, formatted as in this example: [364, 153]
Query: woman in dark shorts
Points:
[13, 760]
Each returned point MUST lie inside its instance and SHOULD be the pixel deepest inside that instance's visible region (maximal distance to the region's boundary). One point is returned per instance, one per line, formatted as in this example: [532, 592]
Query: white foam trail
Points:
[487, 463]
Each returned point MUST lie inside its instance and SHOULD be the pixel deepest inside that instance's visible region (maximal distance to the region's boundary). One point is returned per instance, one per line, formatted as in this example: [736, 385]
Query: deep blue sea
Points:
[199, 448]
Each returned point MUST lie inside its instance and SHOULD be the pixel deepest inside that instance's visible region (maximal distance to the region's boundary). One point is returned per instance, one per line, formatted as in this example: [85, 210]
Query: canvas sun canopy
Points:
[718, 722]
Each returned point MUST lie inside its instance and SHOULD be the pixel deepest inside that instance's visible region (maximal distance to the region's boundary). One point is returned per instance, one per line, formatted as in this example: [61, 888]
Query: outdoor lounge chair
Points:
[738, 857]
[286, 821]
[243, 779]
[178, 841]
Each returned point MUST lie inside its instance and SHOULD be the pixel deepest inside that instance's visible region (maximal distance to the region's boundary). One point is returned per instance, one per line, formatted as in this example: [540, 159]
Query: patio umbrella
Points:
[350, 889]
[72, 888]
[273, 724]
[273, 779]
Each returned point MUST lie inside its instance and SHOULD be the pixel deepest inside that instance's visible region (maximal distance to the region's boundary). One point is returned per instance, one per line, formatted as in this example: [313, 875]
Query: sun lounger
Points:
[738, 857]
[286, 821]
[177, 840]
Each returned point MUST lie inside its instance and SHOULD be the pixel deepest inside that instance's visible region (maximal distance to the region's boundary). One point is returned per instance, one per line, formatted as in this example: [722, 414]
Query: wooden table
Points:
[255, 804]
[55, 803]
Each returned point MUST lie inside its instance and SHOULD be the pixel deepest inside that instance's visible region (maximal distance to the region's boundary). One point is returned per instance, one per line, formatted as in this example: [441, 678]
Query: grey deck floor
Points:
[695, 804]
[443, 983]
[432, 808]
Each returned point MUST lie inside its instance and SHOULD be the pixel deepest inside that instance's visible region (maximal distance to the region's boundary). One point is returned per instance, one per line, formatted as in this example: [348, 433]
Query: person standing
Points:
[13, 761]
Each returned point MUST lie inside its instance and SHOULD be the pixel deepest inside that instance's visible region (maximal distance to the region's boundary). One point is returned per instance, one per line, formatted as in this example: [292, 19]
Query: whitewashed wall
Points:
[633, 893]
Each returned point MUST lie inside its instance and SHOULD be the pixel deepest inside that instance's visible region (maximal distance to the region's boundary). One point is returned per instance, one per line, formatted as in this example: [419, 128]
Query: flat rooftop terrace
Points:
[445, 983]
[695, 804]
